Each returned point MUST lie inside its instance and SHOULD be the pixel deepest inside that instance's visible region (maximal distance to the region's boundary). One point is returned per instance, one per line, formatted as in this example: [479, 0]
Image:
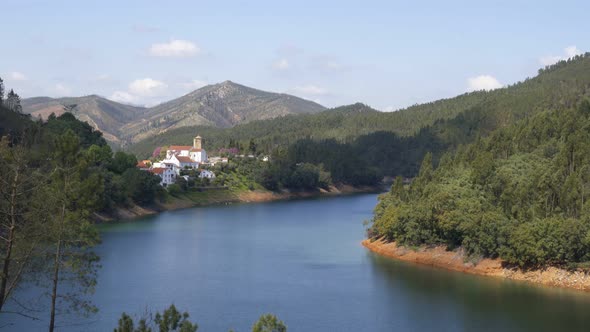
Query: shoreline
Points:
[439, 257]
[219, 197]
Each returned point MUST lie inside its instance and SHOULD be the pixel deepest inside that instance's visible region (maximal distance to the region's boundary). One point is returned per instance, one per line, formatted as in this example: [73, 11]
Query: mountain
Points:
[220, 105]
[434, 126]
[102, 114]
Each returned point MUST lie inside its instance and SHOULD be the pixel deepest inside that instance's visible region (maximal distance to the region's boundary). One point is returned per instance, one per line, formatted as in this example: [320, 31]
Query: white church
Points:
[186, 156]
[180, 157]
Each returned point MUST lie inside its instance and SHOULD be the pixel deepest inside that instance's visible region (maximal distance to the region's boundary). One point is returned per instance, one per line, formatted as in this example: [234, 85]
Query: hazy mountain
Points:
[103, 114]
[220, 105]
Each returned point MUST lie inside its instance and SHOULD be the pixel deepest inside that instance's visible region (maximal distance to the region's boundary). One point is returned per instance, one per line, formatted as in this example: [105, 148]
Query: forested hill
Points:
[521, 194]
[395, 143]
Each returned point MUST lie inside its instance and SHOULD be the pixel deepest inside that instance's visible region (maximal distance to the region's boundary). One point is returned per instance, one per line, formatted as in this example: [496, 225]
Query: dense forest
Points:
[521, 194]
[395, 143]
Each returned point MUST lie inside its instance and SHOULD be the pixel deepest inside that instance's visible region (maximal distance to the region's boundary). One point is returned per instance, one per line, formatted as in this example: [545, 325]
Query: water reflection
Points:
[436, 298]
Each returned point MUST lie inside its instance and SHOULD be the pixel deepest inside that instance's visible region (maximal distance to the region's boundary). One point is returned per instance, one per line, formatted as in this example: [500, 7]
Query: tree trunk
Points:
[10, 242]
[57, 262]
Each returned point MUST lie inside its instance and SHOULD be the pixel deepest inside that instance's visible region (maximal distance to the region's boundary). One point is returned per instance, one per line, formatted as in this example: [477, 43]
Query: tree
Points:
[172, 320]
[1, 91]
[169, 321]
[69, 198]
[252, 146]
[18, 229]
[269, 323]
[122, 161]
[13, 102]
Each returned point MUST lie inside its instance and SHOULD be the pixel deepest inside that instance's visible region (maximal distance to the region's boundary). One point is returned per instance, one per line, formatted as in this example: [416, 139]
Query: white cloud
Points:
[147, 87]
[175, 48]
[282, 64]
[572, 51]
[310, 90]
[390, 109]
[124, 97]
[61, 90]
[146, 91]
[568, 52]
[483, 82]
[103, 77]
[194, 84]
[17, 76]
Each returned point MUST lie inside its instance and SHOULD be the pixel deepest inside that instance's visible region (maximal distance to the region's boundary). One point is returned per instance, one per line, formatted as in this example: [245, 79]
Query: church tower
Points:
[197, 142]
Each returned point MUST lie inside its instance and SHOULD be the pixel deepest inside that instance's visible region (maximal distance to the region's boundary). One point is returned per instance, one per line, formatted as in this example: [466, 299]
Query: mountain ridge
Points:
[223, 105]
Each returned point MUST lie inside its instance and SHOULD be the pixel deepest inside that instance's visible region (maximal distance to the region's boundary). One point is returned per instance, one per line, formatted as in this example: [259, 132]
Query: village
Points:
[191, 163]
[179, 160]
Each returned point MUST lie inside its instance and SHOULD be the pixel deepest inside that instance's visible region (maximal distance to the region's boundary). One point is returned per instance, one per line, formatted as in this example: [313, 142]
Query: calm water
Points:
[302, 260]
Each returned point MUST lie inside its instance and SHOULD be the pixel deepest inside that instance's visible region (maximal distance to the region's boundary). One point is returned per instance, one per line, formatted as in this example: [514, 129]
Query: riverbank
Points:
[219, 197]
[456, 261]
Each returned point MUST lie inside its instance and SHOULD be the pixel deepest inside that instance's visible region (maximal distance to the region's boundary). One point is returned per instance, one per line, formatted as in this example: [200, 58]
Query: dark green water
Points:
[303, 261]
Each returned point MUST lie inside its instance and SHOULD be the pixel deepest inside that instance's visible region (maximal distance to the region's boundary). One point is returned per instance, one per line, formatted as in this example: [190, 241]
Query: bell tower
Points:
[197, 142]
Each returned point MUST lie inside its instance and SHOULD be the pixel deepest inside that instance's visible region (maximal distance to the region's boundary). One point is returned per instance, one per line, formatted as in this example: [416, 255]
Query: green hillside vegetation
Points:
[395, 143]
[122, 183]
[520, 194]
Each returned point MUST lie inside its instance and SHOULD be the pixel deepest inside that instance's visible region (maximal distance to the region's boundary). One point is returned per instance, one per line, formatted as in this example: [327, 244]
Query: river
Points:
[301, 260]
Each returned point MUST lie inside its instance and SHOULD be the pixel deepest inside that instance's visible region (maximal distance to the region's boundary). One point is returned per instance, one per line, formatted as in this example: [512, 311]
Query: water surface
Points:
[303, 261]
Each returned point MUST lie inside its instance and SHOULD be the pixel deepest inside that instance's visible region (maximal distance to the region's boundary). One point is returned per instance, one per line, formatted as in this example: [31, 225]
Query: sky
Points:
[387, 54]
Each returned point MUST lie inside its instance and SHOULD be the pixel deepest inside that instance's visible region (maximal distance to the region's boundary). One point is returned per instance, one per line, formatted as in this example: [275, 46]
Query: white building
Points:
[182, 162]
[167, 174]
[215, 160]
[206, 174]
[179, 157]
[195, 152]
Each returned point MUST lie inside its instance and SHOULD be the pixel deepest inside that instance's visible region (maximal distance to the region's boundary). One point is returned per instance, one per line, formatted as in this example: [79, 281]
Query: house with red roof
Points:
[167, 174]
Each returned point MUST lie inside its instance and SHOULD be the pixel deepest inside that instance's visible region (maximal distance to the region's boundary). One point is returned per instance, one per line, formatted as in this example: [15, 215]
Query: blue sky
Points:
[388, 54]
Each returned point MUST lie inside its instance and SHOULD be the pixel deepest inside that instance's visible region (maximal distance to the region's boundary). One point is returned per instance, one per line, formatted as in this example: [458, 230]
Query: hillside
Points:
[396, 142]
[220, 105]
[102, 114]
[520, 194]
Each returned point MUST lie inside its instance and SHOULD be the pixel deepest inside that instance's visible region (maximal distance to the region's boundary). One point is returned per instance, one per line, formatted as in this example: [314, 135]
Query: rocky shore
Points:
[456, 261]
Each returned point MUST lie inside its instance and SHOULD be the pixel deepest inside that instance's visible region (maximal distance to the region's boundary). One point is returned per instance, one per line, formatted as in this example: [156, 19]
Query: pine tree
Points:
[69, 199]
[1, 91]
[19, 229]
[13, 101]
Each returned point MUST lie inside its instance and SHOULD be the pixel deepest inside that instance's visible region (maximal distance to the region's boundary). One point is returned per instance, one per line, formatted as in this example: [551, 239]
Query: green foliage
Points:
[172, 320]
[269, 323]
[169, 321]
[174, 189]
[122, 161]
[86, 134]
[395, 143]
[521, 194]
[142, 187]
